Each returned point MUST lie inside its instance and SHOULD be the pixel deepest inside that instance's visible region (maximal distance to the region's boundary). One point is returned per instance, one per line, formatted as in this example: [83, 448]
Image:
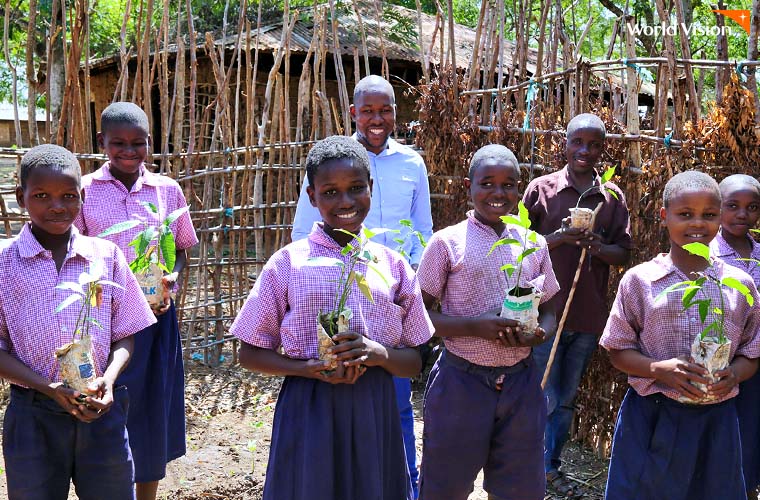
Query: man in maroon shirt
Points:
[548, 199]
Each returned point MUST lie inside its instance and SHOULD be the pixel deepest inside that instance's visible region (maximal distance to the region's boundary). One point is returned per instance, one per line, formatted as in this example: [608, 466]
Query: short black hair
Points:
[124, 113]
[374, 83]
[489, 152]
[691, 180]
[48, 156]
[586, 120]
[738, 181]
[336, 147]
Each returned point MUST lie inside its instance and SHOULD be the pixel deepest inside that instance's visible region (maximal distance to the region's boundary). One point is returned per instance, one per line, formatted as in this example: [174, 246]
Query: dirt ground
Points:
[229, 421]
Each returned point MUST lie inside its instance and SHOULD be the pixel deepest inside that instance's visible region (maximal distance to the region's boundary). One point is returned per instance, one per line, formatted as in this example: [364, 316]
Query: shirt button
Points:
[693, 320]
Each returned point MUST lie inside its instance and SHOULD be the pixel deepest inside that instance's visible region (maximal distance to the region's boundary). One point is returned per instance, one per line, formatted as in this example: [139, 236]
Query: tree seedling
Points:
[711, 348]
[75, 359]
[581, 217]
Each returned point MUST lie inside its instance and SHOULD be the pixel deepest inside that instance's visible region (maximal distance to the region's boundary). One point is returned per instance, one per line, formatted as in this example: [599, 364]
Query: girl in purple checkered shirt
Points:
[740, 211]
[664, 448]
[336, 435]
[117, 192]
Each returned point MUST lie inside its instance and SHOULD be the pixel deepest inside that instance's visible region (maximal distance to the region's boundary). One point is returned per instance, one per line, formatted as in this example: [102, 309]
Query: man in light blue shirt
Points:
[400, 190]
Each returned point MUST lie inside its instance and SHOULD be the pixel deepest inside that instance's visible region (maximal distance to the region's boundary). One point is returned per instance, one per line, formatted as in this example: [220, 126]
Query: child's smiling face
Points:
[493, 189]
[53, 198]
[342, 194]
[692, 216]
[740, 210]
[126, 147]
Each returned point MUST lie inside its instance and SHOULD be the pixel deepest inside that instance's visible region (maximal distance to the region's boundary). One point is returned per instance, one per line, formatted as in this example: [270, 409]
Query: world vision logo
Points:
[742, 17]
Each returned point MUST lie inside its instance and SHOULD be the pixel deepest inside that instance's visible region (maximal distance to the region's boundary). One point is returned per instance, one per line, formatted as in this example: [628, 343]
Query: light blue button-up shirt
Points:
[400, 190]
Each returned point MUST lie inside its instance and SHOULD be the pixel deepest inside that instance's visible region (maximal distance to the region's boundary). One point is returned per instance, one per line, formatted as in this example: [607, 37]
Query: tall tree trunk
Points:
[752, 54]
[56, 73]
[721, 53]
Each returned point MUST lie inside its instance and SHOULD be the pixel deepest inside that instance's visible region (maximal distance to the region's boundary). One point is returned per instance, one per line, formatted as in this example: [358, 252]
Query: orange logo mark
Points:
[740, 16]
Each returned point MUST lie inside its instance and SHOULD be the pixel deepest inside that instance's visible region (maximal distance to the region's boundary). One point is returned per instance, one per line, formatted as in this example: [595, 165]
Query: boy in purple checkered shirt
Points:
[484, 408]
[336, 435]
[664, 448]
[51, 435]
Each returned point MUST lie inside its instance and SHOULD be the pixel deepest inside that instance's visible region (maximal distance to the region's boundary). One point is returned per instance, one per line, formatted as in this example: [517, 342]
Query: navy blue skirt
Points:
[748, 408]
[337, 442]
[155, 379]
[667, 450]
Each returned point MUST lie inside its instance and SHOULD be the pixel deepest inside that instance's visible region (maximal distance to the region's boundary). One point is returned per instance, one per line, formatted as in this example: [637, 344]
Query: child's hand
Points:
[573, 235]
[678, 373]
[168, 282]
[527, 340]
[727, 381]
[491, 326]
[354, 350]
[98, 401]
[320, 370]
[65, 397]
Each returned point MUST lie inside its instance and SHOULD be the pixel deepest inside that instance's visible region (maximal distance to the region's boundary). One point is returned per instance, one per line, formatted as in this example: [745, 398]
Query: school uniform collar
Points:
[391, 147]
[320, 237]
[29, 247]
[564, 181]
[508, 228]
[147, 178]
[723, 249]
[662, 266]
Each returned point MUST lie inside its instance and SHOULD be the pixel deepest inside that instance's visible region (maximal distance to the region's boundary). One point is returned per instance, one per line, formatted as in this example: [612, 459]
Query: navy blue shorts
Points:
[46, 448]
[664, 449]
[471, 425]
[748, 408]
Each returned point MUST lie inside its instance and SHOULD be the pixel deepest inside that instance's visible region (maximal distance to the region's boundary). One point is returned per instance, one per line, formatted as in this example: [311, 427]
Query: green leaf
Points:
[503, 241]
[361, 282]
[349, 233]
[717, 311]
[613, 193]
[119, 228]
[533, 236]
[739, 287]
[522, 212]
[150, 206]
[111, 283]
[675, 287]
[168, 249]
[400, 241]
[527, 252]
[94, 322]
[704, 308]
[378, 272]
[423, 243]
[175, 215]
[608, 174]
[757, 262]
[347, 249]
[698, 248]
[511, 219]
[406, 222]
[509, 268]
[70, 285]
[67, 302]
[714, 326]
[688, 295]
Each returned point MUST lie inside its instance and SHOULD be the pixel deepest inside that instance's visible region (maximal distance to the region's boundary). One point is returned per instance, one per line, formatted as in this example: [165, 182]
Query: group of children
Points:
[336, 432]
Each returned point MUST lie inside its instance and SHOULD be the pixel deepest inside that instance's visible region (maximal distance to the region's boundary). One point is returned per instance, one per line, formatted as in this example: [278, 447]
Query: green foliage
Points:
[691, 290]
[606, 176]
[153, 245]
[529, 236]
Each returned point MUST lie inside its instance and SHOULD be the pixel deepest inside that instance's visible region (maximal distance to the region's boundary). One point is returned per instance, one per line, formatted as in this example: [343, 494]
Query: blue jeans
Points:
[404, 402]
[573, 354]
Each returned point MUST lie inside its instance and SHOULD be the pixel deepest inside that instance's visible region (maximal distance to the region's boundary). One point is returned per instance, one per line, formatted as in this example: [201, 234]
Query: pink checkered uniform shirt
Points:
[31, 330]
[727, 254]
[663, 330]
[457, 270]
[108, 202]
[282, 307]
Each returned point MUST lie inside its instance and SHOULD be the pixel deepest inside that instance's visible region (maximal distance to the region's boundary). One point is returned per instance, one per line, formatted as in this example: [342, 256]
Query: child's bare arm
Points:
[272, 363]
[676, 373]
[488, 325]
[738, 371]
[355, 350]
[17, 372]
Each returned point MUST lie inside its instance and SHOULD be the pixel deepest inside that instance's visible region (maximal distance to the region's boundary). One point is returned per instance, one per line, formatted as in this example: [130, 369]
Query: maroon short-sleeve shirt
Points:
[548, 199]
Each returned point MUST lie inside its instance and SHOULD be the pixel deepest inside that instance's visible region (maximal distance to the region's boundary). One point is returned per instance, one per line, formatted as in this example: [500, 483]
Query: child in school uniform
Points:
[484, 408]
[663, 448]
[51, 435]
[155, 376]
[740, 211]
[336, 434]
